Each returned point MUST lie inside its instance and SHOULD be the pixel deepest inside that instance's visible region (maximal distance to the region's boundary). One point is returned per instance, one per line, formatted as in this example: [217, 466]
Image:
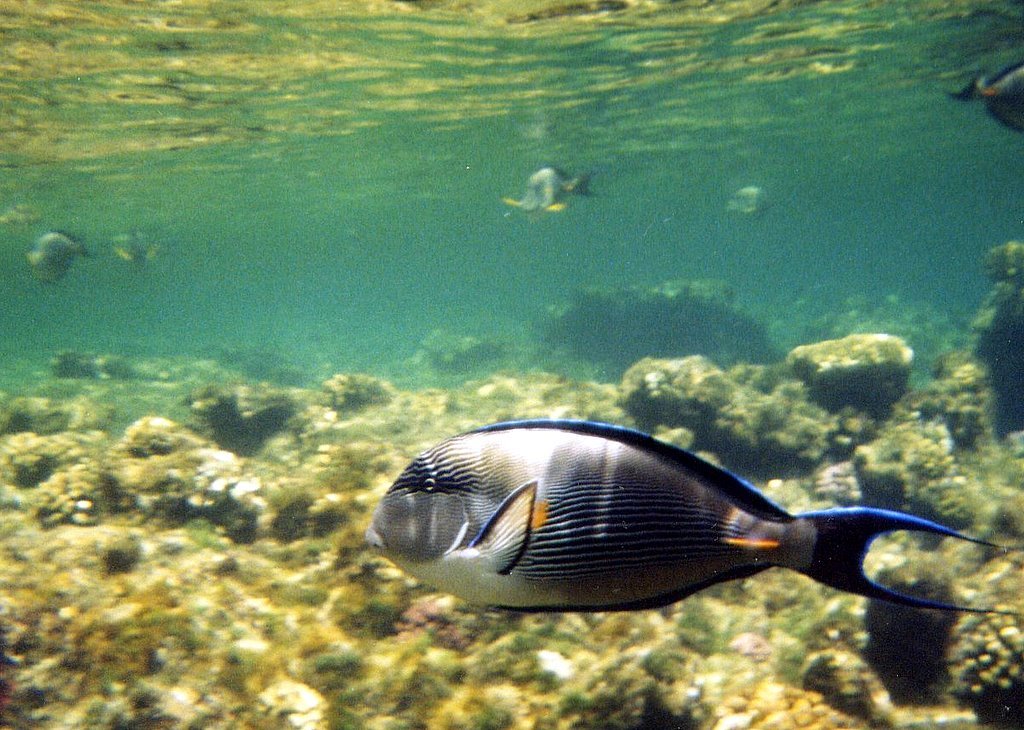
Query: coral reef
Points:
[154, 578]
[617, 327]
[989, 665]
[242, 418]
[447, 352]
[773, 706]
[763, 429]
[959, 396]
[867, 372]
[907, 647]
[69, 364]
[910, 466]
[352, 392]
[999, 325]
[845, 682]
[41, 415]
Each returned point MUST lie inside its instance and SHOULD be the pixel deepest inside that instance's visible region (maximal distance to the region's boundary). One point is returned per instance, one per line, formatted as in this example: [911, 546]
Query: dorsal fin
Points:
[737, 489]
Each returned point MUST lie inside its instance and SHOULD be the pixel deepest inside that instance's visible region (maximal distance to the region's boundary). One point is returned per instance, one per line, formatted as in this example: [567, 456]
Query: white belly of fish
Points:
[473, 577]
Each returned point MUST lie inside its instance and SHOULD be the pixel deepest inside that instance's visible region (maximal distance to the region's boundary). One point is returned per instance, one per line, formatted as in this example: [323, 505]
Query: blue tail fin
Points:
[844, 536]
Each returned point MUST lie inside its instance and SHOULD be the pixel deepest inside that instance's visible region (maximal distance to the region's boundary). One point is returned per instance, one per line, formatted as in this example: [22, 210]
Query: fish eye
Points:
[429, 484]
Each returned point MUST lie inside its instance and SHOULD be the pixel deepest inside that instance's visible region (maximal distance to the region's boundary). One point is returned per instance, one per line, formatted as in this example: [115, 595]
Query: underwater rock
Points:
[616, 327]
[910, 466]
[69, 364]
[848, 684]
[81, 494]
[778, 430]
[242, 418]
[459, 354]
[867, 372]
[294, 705]
[28, 459]
[838, 483]
[988, 661]
[49, 416]
[619, 691]
[999, 325]
[959, 395]
[122, 555]
[346, 392]
[263, 364]
[175, 475]
[770, 705]
[907, 646]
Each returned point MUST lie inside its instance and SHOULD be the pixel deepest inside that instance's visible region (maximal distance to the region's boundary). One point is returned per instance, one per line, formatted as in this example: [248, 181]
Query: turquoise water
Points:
[329, 184]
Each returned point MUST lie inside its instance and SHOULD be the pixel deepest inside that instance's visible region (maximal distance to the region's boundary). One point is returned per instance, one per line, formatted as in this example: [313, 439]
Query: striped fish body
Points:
[572, 515]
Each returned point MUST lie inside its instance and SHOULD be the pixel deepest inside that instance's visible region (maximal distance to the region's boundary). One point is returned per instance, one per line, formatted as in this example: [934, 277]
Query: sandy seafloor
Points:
[191, 447]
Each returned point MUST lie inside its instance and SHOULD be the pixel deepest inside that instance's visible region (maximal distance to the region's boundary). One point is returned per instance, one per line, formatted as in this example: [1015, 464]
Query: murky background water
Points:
[325, 179]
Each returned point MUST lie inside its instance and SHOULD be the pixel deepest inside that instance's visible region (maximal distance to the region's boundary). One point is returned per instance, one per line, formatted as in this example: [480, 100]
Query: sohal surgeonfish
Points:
[1003, 95]
[547, 189]
[572, 515]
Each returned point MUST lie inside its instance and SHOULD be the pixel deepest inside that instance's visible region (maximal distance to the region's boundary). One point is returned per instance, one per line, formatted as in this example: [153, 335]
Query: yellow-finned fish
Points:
[551, 515]
[547, 189]
[131, 247]
[1002, 93]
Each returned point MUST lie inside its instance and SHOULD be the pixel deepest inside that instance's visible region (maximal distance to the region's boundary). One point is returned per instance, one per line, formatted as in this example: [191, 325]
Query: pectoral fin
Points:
[507, 532]
[556, 207]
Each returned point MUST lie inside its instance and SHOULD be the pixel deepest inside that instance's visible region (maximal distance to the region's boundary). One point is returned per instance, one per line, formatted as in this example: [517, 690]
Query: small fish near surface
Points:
[52, 255]
[548, 188]
[552, 515]
[1002, 93]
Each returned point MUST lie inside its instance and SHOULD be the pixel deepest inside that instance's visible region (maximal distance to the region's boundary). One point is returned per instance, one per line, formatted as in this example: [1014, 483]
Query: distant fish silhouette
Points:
[134, 249]
[1002, 93]
[52, 255]
[547, 189]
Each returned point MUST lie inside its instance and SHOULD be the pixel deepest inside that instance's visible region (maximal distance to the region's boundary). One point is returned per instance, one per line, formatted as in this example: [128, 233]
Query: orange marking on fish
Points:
[540, 515]
[752, 543]
[988, 91]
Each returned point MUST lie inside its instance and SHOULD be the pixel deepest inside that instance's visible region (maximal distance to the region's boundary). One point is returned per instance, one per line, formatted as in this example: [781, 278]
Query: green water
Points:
[326, 180]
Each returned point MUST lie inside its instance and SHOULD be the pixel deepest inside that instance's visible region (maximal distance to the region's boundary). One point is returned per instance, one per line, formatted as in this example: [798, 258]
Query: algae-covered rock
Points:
[69, 364]
[959, 395]
[448, 352]
[999, 325]
[848, 684]
[177, 476]
[771, 705]
[988, 661]
[617, 327]
[347, 392]
[242, 418]
[907, 646]
[620, 691]
[776, 430]
[47, 416]
[910, 466]
[868, 372]
[27, 459]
